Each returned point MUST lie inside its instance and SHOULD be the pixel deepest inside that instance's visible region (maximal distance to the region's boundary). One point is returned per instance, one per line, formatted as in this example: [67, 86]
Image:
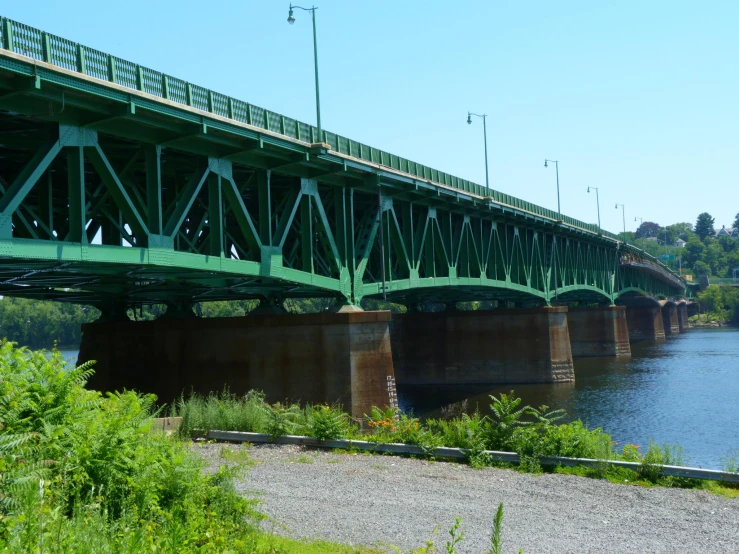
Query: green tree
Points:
[701, 268]
[678, 231]
[715, 257]
[736, 222]
[648, 229]
[719, 301]
[40, 324]
[704, 226]
[729, 244]
[694, 249]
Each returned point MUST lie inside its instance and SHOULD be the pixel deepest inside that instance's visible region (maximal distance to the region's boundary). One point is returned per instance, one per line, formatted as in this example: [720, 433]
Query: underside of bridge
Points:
[121, 186]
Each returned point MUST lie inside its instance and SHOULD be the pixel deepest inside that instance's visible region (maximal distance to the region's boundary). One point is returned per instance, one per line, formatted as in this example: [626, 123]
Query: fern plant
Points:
[496, 537]
[506, 419]
[284, 420]
[326, 422]
[36, 416]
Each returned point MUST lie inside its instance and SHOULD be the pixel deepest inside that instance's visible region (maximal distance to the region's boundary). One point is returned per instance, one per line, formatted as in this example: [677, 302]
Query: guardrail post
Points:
[111, 70]
[140, 78]
[189, 94]
[80, 59]
[210, 101]
[7, 34]
[165, 86]
[46, 47]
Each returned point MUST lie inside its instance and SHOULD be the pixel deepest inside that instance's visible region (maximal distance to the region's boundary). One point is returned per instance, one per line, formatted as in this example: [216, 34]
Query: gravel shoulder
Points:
[382, 500]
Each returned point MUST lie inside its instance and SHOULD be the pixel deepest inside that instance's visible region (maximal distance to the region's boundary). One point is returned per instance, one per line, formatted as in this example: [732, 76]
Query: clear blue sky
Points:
[638, 98]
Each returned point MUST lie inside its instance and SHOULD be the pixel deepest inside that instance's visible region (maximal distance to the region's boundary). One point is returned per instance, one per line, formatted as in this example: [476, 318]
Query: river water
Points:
[683, 391]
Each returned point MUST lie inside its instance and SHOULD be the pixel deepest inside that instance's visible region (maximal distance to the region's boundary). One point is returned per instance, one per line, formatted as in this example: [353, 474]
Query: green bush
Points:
[328, 422]
[85, 473]
[285, 420]
[466, 431]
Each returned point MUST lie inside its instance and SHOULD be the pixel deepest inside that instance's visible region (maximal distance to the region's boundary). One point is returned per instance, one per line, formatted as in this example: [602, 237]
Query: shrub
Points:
[83, 472]
[327, 422]
[651, 463]
[506, 418]
[464, 432]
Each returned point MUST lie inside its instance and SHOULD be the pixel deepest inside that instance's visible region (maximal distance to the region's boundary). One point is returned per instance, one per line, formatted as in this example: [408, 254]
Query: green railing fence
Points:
[40, 45]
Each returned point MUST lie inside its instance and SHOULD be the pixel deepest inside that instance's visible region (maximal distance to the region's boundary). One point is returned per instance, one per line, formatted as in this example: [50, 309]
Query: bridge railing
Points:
[37, 44]
[40, 45]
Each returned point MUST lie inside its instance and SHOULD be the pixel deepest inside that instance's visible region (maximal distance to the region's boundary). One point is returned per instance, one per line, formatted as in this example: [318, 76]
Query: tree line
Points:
[704, 253]
[41, 324]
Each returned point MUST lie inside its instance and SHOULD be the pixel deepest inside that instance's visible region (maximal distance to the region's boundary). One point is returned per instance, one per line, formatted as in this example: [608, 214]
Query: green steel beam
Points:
[317, 225]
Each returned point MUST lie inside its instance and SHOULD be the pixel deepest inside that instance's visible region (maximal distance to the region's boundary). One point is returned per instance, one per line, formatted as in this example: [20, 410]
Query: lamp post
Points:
[641, 221]
[556, 165]
[597, 200]
[291, 20]
[623, 212]
[485, 135]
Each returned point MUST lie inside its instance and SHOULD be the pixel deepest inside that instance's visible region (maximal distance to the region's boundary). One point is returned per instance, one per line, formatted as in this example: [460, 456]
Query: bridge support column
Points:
[670, 319]
[645, 322]
[490, 347]
[599, 331]
[682, 316]
[336, 358]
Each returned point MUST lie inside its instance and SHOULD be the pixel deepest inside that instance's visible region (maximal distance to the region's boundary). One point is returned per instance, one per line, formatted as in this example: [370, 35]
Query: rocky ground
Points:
[384, 501]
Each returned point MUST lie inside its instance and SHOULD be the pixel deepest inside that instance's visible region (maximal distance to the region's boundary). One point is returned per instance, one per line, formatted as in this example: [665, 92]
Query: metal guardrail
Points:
[31, 42]
[723, 281]
[461, 454]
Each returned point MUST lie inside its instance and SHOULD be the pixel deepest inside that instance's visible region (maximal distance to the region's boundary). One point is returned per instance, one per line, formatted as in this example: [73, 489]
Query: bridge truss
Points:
[118, 193]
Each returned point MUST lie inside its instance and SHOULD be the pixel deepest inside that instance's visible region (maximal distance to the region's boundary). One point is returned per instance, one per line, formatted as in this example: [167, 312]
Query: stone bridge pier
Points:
[339, 358]
[598, 331]
[682, 315]
[643, 318]
[670, 317]
[498, 346]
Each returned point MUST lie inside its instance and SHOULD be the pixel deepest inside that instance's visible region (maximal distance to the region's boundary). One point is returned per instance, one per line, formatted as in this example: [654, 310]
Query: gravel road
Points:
[383, 500]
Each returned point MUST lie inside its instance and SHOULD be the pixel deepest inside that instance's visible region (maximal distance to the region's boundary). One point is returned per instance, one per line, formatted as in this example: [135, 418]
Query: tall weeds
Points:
[82, 472]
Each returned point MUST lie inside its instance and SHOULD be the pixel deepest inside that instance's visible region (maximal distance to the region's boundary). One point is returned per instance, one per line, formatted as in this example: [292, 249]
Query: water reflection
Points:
[684, 390]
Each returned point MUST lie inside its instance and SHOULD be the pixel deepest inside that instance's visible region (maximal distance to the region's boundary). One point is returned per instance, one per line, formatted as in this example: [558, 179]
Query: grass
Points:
[281, 545]
[303, 459]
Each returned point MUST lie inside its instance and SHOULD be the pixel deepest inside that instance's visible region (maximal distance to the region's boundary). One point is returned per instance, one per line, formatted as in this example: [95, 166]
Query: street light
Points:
[556, 165]
[623, 212]
[597, 200]
[291, 20]
[485, 134]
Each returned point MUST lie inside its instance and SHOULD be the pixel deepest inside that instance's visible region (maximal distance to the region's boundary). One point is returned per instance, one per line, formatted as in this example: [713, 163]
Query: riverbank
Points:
[381, 501]
[709, 320]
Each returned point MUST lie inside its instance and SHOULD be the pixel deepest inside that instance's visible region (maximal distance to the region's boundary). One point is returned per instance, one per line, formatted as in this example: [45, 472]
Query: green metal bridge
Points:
[121, 186]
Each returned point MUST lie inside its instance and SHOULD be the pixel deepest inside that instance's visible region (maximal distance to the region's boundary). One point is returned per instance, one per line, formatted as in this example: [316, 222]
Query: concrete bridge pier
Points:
[682, 316]
[598, 331]
[643, 318]
[482, 347]
[329, 357]
[670, 317]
